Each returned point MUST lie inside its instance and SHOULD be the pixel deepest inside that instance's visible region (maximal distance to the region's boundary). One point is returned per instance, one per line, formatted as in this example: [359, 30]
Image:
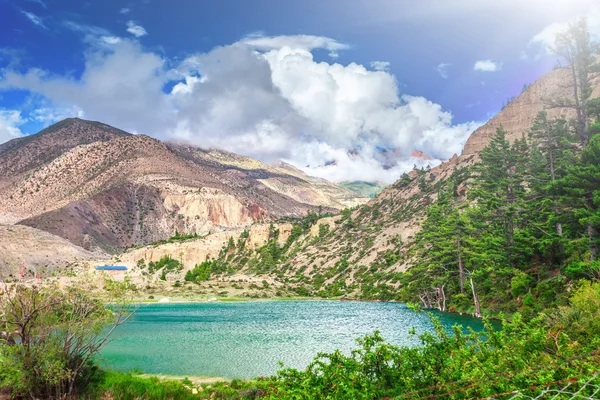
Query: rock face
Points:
[100, 187]
[421, 155]
[195, 251]
[517, 117]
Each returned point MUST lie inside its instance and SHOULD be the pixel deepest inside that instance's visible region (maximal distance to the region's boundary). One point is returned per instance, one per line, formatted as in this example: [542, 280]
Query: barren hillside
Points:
[39, 252]
[102, 188]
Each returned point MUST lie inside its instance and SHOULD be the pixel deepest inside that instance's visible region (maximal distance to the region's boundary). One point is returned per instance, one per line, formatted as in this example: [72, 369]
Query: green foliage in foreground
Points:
[125, 386]
[129, 386]
[49, 339]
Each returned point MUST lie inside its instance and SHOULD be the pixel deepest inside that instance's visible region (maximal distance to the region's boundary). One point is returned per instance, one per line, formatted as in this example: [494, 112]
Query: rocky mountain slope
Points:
[371, 241]
[39, 252]
[102, 188]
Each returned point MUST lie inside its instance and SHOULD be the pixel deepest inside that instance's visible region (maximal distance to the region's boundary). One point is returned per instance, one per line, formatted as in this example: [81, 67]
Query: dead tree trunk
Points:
[442, 296]
[461, 269]
[475, 299]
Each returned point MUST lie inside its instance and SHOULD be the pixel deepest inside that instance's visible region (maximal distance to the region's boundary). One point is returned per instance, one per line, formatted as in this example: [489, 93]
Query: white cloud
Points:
[34, 19]
[111, 39]
[442, 69]
[94, 35]
[380, 65]
[487, 66]
[305, 42]
[124, 10]
[9, 122]
[135, 29]
[51, 115]
[121, 85]
[255, 98]
[542, 41]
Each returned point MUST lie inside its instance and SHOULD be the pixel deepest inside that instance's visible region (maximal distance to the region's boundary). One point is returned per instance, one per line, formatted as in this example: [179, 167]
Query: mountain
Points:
[362, 253]
[369, 245]
[103, 188]
[399, 208]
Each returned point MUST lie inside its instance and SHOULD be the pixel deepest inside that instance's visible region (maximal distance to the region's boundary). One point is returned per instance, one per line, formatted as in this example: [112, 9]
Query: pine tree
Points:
[500, 187]
[580, 189]
[551, 137]
[576, 47]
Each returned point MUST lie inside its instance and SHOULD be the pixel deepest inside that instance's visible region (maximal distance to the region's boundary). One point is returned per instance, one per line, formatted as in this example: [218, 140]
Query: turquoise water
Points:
[248, 339]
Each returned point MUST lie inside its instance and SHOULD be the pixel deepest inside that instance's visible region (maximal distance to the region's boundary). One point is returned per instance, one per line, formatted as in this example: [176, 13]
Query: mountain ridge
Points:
[71, 178]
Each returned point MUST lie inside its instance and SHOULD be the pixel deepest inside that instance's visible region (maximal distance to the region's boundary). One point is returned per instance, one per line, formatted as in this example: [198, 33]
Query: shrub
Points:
[49, 338]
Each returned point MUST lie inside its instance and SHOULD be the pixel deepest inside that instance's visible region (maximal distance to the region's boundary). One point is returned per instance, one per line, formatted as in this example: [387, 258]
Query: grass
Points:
[129, 386]
[132, 386]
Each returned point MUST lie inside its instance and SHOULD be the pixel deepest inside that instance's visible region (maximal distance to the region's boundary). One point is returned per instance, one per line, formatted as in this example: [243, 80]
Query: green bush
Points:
[49, 339]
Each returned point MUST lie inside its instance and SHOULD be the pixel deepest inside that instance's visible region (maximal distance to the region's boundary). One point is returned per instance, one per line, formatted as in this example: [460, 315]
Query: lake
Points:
[248, 339]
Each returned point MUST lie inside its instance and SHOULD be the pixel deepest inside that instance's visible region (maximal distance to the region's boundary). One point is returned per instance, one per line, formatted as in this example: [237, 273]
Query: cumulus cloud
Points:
[442, 69]
[264, 97]
[124, 10]
[487, 66]
[34, 19]
[135, 29]
[9, 122]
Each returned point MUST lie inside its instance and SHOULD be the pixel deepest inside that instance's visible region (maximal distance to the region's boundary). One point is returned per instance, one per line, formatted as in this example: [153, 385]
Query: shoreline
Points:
[198, 380]
[255, 300]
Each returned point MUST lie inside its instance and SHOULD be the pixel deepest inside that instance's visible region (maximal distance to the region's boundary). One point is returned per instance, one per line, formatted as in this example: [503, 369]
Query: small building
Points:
[111, 268]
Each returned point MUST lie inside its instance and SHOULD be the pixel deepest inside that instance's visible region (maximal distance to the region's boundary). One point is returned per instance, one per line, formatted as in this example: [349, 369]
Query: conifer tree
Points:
[500, 188]
[578, 50]
[580, 189]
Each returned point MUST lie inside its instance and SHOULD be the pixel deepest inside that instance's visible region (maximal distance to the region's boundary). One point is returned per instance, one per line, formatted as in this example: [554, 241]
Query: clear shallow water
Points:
[248, 339]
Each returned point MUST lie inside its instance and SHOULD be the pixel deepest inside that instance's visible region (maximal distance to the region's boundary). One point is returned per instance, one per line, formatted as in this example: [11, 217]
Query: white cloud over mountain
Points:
[265, 97]
[9, 123]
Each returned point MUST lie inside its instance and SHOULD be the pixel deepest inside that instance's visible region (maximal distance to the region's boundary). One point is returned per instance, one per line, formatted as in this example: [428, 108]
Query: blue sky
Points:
[304, 81]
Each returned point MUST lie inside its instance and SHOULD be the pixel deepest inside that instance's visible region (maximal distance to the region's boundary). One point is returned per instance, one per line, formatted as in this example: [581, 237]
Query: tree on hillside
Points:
[580, 190]
[551, 138]
[500, 188]
[577, 48]
[441, 248]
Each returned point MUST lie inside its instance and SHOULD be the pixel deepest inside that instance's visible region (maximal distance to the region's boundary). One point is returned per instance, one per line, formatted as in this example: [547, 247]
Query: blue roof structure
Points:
[111, 268]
